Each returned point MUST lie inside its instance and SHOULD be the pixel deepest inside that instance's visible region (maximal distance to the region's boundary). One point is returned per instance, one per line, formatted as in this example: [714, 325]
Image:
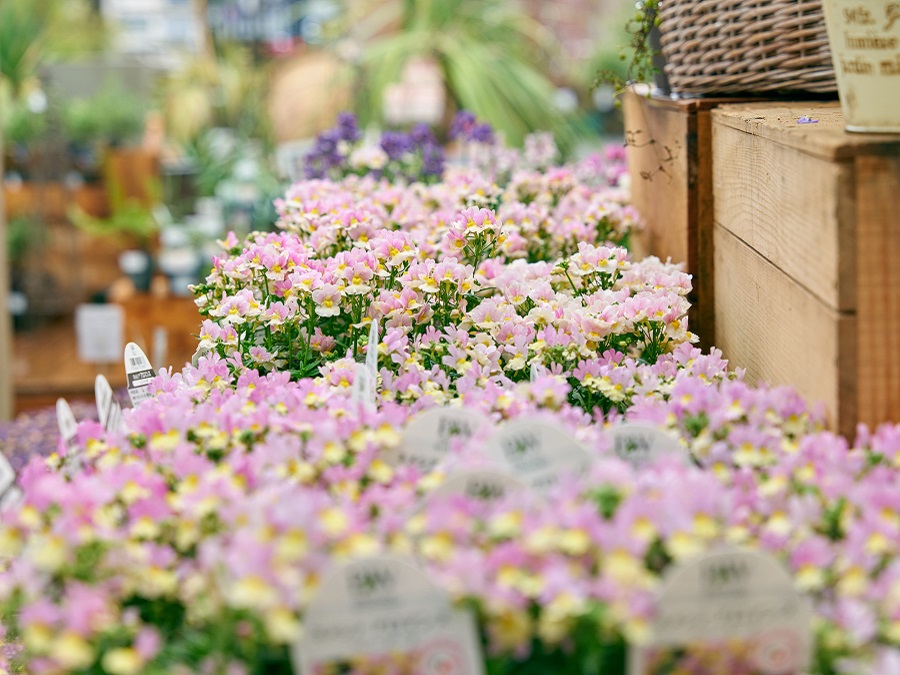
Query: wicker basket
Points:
[721, 47]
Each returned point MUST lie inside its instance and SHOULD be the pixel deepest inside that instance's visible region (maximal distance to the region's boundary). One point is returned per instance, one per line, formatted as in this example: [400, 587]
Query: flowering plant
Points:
[339, 152]
[193, 540]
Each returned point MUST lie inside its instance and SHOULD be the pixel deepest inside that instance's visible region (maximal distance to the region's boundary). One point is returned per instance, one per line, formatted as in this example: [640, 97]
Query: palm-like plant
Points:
[492, 56]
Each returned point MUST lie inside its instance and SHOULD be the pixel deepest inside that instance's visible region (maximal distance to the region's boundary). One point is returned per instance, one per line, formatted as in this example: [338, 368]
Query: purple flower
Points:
[348, 127]
[465, 127]
[396, 144]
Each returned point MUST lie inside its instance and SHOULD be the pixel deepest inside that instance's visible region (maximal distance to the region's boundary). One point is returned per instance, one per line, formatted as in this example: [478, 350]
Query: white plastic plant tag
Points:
[362, 392]
[427, 438]
[381, 609]
[734, 610]
[372, 352]
[108, 408]
[99, 331]
[482, 484]
[11, 498]
[65, 420]
[7, 475]
[538, 452]
[641, 444]
[138, 373]
[535, 373]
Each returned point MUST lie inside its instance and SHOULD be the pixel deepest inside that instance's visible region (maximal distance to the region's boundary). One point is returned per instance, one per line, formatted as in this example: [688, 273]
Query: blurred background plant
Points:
[493, 59]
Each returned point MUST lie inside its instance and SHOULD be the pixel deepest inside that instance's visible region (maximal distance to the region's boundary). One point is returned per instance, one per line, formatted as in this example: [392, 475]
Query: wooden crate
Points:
[669, 147]
[807, 256]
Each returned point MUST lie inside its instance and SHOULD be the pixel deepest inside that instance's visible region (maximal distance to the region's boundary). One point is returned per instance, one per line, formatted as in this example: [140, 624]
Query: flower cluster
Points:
[443, 325]
[192, 540]
[339, 152]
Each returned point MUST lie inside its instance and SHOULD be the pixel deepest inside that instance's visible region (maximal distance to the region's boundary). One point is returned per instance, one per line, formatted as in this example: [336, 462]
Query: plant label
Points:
[65, 420]
[641, 444]
[428, 437]
[484, 485]
[735, 611]
[372, 351]
[108, 409]
[538, 453]
[7, 475]
[138, 373]
[385, 610]
[362, 392]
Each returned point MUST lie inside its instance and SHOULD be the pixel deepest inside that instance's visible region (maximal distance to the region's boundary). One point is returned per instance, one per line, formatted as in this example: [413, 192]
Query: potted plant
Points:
[22, 128]
[111, 118]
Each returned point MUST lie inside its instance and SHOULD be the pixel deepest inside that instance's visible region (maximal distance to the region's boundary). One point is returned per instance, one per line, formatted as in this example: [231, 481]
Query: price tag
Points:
[138, 373]
[427, 438]
[108, 408]
[735, 610]
[382, 609]
[483, 484]
[641, 444]
[538, 453]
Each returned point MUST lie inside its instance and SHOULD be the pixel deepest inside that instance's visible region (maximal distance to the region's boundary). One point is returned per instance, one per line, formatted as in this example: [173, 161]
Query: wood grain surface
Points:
[794, 208]
[878, 288]
[826, 138]
[781, 333]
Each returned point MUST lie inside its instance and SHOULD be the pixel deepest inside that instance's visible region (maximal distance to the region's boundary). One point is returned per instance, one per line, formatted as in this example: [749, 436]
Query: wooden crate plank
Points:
[704, 314]
[826, 138]
[878, 285]
[781, 333]
[795, 209]
[657, 138]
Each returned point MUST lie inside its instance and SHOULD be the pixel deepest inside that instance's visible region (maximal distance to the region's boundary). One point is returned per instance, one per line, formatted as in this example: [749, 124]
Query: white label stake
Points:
[138, 373]
[737, 608]
[378, 608]
[537, 452]
[65, 420]
[427, 438]
[641, 444]
[108, 408]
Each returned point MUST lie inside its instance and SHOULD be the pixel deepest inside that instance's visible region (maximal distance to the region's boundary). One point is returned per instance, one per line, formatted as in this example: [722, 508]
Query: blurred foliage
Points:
[493, 58]
[113, 116]
[129, 217]
[637, 53]
[22, 235]
[34, 30]
[225, 91]
[21, 125]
